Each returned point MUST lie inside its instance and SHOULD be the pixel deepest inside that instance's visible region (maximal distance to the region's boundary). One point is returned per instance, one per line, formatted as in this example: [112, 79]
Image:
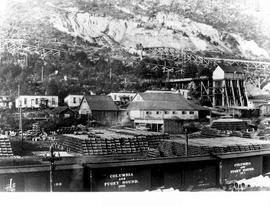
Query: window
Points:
[53, 101]
[66, 115]
[174, 112]
[191, 112]
[166, 112]
[74, 100]
[157, 112]
[148, 112]
[184, 112]
[25, 101]
[36, 101]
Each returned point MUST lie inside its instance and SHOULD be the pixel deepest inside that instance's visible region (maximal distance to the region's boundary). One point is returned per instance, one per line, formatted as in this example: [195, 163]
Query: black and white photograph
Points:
[151, 96]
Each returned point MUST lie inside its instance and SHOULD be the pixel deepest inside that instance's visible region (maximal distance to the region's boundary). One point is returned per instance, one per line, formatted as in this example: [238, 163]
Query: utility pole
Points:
[110, 78]
[42, 71]
[186, 145]
[52, 158]
[20, 119]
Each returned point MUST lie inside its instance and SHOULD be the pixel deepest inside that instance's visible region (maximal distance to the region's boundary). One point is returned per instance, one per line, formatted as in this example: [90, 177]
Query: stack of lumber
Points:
[67, 130]
[101, 146]
[5, 147]
[236, 134]
[207, 132]
[264, 134]
[111, 142]
[195, 135]
[170, 148]
[207, 146]
[69, 144]
[247, 135]
[166, 149]
[211, 132]
[153, 153]
[153, 138]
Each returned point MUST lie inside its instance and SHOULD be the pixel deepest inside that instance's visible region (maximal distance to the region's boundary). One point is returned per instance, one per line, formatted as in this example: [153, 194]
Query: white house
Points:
[5, 102]
[162, 105]
[73, 100]
[35, 101]
[122, 95]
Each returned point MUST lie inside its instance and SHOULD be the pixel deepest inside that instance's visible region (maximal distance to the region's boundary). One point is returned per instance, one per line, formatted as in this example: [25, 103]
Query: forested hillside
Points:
[99, 41]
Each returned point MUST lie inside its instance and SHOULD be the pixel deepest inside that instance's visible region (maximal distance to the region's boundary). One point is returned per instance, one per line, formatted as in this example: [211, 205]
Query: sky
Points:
[3, 4]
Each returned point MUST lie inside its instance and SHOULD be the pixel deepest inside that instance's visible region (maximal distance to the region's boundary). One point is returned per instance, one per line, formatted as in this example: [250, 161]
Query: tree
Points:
[52, 88]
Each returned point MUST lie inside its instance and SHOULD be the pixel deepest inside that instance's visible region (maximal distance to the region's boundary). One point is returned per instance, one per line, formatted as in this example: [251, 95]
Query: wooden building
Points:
[265, 109]
[229, 87]
[63, 112]
[156, 110]
[100, 108]
[5, 102]
[36, 101]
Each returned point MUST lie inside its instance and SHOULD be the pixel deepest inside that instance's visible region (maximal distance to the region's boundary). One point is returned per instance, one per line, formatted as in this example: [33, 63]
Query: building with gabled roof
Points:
[165, 112]
[229, 88]
[73, 100]
[62, 112]
[101, 108]
[36, 101]
[228, 72]
[5, 102]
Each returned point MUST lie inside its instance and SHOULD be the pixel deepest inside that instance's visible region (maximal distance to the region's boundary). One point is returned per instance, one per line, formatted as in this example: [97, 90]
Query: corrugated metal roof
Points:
[101, 103]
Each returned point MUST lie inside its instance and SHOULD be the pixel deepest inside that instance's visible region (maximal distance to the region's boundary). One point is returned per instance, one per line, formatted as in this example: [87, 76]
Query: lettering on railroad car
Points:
[121, 180]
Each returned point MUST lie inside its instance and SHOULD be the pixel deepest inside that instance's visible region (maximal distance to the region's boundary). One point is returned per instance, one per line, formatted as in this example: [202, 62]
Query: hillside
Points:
[101, 38]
